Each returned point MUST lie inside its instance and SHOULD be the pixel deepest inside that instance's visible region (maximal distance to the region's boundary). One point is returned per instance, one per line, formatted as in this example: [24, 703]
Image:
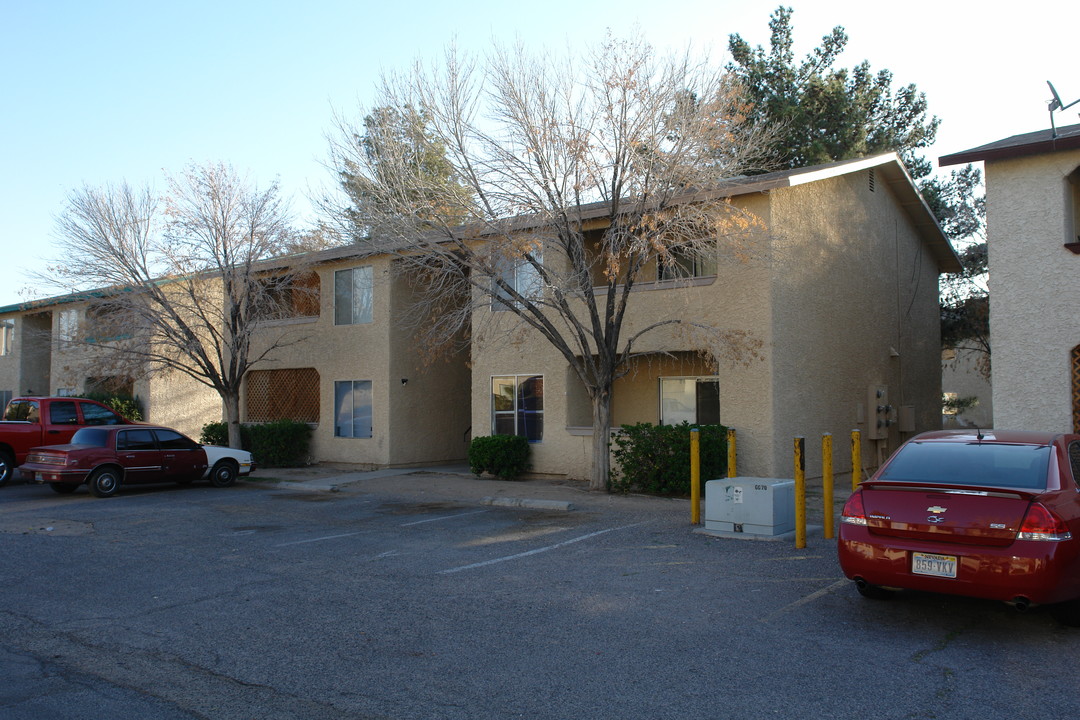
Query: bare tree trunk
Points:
[601, 465]
[231, 401]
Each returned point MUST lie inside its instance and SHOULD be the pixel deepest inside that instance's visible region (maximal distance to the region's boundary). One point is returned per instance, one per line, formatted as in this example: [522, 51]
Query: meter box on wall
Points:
[754, 506]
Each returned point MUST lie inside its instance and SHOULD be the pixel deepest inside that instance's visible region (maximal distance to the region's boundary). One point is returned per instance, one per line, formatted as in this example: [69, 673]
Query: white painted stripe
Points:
[318, 539]
[443, 517]
[809, 598]
[537, 550]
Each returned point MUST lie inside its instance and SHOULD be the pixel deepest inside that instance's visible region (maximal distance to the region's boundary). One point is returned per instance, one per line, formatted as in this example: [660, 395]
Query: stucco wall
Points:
[855, 304]
[1034, 293]
[430, 419]
[179, 401]
[340, 353]
[736, 299]
[842, 293]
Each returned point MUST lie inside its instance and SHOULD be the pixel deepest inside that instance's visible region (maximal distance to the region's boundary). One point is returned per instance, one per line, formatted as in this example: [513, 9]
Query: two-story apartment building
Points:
[1033, 240]
[841, 301]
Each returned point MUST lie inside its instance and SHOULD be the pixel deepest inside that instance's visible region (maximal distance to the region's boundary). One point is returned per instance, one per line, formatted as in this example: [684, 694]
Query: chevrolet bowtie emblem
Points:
[936, 509]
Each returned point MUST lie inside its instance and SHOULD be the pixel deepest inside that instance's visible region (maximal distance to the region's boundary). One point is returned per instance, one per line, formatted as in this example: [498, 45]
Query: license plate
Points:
[931, 564]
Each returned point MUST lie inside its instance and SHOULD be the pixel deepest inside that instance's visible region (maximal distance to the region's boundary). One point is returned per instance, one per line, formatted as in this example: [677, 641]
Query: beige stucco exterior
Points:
[839, 293]
[843, 295]
[1034, 291]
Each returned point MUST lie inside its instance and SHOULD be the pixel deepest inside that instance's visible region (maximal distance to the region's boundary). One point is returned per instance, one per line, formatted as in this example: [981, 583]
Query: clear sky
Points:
[98, 91]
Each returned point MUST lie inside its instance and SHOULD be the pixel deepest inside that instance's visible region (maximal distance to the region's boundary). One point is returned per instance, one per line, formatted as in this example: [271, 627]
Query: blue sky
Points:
[103, 91]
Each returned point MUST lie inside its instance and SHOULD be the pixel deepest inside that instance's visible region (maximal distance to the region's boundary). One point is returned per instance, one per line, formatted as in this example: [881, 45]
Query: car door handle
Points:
[53, 432]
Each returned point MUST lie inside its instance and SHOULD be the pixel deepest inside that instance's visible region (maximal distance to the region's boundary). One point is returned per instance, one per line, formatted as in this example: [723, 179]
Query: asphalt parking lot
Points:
[412, 596]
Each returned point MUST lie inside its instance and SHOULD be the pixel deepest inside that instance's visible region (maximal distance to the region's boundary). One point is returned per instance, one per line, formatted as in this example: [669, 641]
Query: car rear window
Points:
[978, 464]
[91, 436]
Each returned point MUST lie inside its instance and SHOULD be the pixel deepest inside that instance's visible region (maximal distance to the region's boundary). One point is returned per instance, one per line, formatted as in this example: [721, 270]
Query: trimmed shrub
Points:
[655, 459]
[505, 456]
[282, 443]
[217, 433]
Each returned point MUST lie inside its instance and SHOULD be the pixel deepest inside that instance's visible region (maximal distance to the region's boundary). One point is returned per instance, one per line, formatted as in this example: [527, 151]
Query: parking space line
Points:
[535, 551]
[802, 601]
[318, 539]
[443, 517]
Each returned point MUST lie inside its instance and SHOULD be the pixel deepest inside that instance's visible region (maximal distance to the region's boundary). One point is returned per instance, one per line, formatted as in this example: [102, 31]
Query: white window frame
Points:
[669, 415]
[524, 277]
[67, 324]
[358, 308]
[7, 336]
[345, 409]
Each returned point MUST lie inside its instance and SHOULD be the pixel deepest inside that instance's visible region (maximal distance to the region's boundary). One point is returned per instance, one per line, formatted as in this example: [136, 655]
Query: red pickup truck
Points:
[33, 421]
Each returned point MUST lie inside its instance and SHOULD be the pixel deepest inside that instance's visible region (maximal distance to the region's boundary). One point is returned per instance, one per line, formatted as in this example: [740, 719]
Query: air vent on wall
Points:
[871, 176]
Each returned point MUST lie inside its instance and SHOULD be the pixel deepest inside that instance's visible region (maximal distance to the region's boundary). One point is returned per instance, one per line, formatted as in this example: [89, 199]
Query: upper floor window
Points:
[108, 322]
[682, 263]
[353, 296]
[7, 336]
[67, 325]
[523, 276]
[1072, 214]
[291, 296]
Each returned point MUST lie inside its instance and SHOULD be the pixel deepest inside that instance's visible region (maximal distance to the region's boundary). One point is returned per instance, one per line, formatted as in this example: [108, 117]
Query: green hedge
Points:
[282, 443]
[655, 459]
[506, 456]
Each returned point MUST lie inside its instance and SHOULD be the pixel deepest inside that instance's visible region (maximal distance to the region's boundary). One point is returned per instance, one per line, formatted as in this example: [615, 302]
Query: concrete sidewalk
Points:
[452, 483]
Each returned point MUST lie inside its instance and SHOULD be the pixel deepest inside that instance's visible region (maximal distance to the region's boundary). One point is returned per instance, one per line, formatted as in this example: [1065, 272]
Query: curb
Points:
[527, 503]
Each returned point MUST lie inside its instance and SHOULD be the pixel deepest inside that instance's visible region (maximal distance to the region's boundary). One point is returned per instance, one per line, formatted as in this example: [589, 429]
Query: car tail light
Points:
[854, 513]
[1041, 524]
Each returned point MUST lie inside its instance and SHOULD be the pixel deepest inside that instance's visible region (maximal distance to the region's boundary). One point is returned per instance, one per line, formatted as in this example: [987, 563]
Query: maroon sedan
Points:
[107, 457]
[991, 515]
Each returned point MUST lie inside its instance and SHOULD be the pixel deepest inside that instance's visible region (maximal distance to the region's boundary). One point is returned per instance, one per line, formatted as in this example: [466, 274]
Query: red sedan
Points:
[107, 457]
[990, 514]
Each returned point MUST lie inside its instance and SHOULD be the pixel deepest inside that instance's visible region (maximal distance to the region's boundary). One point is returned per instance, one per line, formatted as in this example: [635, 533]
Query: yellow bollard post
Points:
[695, 476]
[827, 482]
[731, 453]
[856, 459]
[800, 492]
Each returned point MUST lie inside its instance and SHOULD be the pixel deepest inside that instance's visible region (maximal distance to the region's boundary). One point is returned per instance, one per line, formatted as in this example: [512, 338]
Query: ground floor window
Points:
[517, 406]
[352, 408]
[285, 394]
[695, 400]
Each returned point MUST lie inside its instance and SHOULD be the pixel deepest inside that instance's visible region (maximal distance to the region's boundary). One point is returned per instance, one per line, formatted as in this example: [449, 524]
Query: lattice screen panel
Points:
[290, 394]
[1076, 388]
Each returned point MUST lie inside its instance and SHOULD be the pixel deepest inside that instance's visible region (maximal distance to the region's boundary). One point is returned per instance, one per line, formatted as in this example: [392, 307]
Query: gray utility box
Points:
[754, 506]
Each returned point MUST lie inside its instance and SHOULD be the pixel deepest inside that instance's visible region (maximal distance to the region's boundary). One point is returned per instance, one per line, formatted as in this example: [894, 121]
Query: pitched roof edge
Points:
[1038, 142]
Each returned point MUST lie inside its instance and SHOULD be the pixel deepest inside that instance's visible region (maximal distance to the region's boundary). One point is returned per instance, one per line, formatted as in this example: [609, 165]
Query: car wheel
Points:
[223, 474]
[7, 467]
[1067, 613]
[64, 488]
[873, 592]
[104, 482]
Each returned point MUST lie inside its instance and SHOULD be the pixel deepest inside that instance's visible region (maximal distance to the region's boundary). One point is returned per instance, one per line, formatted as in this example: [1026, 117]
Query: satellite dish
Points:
[1056, 104]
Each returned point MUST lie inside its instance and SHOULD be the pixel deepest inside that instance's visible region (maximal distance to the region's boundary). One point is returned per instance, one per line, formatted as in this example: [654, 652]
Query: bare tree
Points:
[573, 181]
[181, 283]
